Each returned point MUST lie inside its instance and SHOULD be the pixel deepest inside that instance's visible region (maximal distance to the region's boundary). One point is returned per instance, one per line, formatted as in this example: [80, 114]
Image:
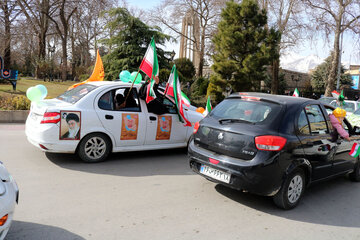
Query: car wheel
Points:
[355, 175]
[291, 191]
[94, 148]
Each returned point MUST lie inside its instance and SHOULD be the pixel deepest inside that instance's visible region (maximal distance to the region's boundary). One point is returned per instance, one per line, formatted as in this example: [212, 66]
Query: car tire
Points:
[355, 175]
[291, 191]
[94, 148]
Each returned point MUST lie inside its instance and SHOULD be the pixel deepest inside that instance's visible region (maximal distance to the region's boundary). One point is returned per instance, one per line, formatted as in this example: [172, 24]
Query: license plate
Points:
[214, 173]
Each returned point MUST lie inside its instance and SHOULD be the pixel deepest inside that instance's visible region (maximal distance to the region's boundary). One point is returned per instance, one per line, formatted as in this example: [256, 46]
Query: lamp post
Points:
[51, 51]
[172, 55]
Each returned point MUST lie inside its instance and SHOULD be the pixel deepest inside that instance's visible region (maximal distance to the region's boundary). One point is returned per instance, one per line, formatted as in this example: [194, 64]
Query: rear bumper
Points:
[253, 176]
[48, 136]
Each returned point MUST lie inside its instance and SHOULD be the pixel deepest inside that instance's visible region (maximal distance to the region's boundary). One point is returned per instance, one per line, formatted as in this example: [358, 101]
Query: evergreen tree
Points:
[186, 68]
[128, 42]
[321, 74]
[243, 47]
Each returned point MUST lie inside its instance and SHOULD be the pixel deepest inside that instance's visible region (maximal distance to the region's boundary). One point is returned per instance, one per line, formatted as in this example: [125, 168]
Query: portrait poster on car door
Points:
[129, 126]
[70, 125]
[164, 128]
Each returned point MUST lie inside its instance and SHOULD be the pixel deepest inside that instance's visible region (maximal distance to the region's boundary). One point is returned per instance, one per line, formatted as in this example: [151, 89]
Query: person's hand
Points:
[156, 78]
[347, 139]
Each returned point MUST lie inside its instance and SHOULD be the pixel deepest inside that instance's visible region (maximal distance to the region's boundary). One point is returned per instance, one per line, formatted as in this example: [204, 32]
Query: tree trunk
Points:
[7, 50]
[275, 77]
[330, 83]
[64, 59]
[202, 53]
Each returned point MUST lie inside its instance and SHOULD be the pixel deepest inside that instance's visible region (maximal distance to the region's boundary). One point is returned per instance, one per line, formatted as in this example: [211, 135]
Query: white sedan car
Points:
[9, 195]
[89, 121]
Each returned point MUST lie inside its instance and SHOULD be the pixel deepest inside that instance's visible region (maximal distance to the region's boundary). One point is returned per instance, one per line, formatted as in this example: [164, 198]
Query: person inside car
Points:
[155, 106]
[336, 119]
[119, 101]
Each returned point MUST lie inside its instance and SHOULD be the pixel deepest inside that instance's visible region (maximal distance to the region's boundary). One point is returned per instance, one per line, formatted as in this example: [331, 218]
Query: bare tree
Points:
[334, 17]
[171, 13]
[286, 17]
[64, 12]
[10, 12]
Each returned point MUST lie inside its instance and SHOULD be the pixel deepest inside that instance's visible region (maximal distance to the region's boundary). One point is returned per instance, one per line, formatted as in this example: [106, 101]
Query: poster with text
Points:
[164, 128]
[70, 125]
[129, 126]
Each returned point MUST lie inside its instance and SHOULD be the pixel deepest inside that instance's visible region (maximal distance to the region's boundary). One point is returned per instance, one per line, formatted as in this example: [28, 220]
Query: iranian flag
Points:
[355, 150]
[208, 107]
[296, 93]
[169, 90]
[178, 97]
[150, 67]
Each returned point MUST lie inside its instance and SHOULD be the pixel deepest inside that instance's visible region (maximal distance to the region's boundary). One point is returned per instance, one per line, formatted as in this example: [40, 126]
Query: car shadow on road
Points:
[335, 202]
[130, 164]
[32, 231]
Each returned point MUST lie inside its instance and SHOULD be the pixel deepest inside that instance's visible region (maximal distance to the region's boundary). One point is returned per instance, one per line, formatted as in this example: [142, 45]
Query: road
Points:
[154, 195]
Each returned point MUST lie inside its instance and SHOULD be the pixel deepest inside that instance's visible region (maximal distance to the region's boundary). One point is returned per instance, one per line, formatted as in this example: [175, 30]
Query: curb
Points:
[15, 116]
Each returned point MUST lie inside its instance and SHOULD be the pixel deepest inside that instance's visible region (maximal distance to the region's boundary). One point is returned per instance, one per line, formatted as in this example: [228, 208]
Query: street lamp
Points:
[51, 51]
[172, 55]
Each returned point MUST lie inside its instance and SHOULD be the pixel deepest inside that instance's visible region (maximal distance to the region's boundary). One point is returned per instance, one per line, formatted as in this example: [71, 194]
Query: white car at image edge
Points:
[88, 120]
[9, 195]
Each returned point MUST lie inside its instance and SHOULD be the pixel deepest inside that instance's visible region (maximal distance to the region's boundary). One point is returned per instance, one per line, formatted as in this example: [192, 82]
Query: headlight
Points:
[2, 188]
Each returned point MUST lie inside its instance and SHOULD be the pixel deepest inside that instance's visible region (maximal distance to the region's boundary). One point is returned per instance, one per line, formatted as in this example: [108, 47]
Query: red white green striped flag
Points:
[208, 107]
[150, 67]
[296, 93]
[178, 97]
[355, 150]
[169, 90]
[185, 100]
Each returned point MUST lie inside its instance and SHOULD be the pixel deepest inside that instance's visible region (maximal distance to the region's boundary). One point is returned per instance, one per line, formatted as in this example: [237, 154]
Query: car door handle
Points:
[109, 116]
[152, 118]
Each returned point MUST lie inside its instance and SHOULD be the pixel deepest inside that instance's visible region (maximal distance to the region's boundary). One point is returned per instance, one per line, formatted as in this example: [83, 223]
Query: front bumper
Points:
[254, 176]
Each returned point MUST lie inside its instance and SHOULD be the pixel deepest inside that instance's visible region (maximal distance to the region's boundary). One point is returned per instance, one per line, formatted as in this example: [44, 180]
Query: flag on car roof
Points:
[208, 107]
[169, 89]
[150, 67]
[355, 150]
[98, 73]
[179, 102]
[296, 93]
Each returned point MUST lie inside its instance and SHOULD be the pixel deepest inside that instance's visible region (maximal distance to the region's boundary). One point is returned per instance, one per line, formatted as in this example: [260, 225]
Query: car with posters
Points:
[9, 196]
[271, 145]
[89, 120]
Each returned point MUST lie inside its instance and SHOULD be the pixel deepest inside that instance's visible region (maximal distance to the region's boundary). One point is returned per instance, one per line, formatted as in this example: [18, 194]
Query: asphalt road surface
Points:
[154, 195]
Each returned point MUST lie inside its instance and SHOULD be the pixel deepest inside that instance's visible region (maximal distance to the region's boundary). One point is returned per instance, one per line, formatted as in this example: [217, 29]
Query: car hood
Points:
[193, 116]
[42, 106]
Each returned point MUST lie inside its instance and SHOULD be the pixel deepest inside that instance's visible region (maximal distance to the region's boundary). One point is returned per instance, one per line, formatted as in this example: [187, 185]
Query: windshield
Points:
[245, 111]
[348, 106]
[75, 94]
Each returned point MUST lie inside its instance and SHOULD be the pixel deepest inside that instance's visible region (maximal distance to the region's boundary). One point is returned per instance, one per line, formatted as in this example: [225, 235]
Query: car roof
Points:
[112, 83]
[281, 99]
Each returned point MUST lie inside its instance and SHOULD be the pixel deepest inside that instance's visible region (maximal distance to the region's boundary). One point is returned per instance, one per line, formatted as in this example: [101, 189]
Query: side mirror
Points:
[356, 130]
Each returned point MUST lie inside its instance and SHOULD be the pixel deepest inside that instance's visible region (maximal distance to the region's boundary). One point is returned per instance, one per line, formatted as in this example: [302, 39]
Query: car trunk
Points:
[38, 109]
[237, 141]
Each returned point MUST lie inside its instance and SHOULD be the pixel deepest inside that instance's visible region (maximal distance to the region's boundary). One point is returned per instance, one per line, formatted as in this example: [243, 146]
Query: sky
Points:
[350, 55]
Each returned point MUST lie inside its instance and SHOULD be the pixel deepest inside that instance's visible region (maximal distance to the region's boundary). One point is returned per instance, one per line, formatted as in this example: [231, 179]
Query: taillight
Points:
[3, 220]
[196, 127]
[51, 117]
[270, 143]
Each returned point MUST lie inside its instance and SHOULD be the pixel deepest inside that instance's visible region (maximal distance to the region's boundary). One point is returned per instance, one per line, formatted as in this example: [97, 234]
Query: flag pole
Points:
[132, 85]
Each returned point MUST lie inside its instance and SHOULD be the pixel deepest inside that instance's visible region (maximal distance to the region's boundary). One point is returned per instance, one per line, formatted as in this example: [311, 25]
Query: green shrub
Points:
[14, 103]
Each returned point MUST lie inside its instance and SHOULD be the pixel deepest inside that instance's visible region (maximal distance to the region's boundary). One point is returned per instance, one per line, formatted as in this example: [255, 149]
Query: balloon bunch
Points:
[36, 93]
[125, 76]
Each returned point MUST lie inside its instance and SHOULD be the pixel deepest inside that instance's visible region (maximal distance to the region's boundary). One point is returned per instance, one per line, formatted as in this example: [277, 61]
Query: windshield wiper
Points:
[232, 120]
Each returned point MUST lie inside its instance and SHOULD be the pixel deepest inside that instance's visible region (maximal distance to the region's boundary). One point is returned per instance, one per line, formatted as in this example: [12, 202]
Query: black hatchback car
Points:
[271, 145]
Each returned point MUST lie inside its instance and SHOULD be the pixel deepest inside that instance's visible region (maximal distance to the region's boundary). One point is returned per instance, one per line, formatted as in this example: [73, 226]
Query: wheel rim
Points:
[295, 188]
[95, 148]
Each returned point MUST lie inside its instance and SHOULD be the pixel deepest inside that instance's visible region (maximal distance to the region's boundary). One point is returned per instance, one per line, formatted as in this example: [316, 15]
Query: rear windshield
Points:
[249, 111]
[75, 94]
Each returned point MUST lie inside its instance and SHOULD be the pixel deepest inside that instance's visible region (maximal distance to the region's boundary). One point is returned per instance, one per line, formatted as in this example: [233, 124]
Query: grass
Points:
[54, 88]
